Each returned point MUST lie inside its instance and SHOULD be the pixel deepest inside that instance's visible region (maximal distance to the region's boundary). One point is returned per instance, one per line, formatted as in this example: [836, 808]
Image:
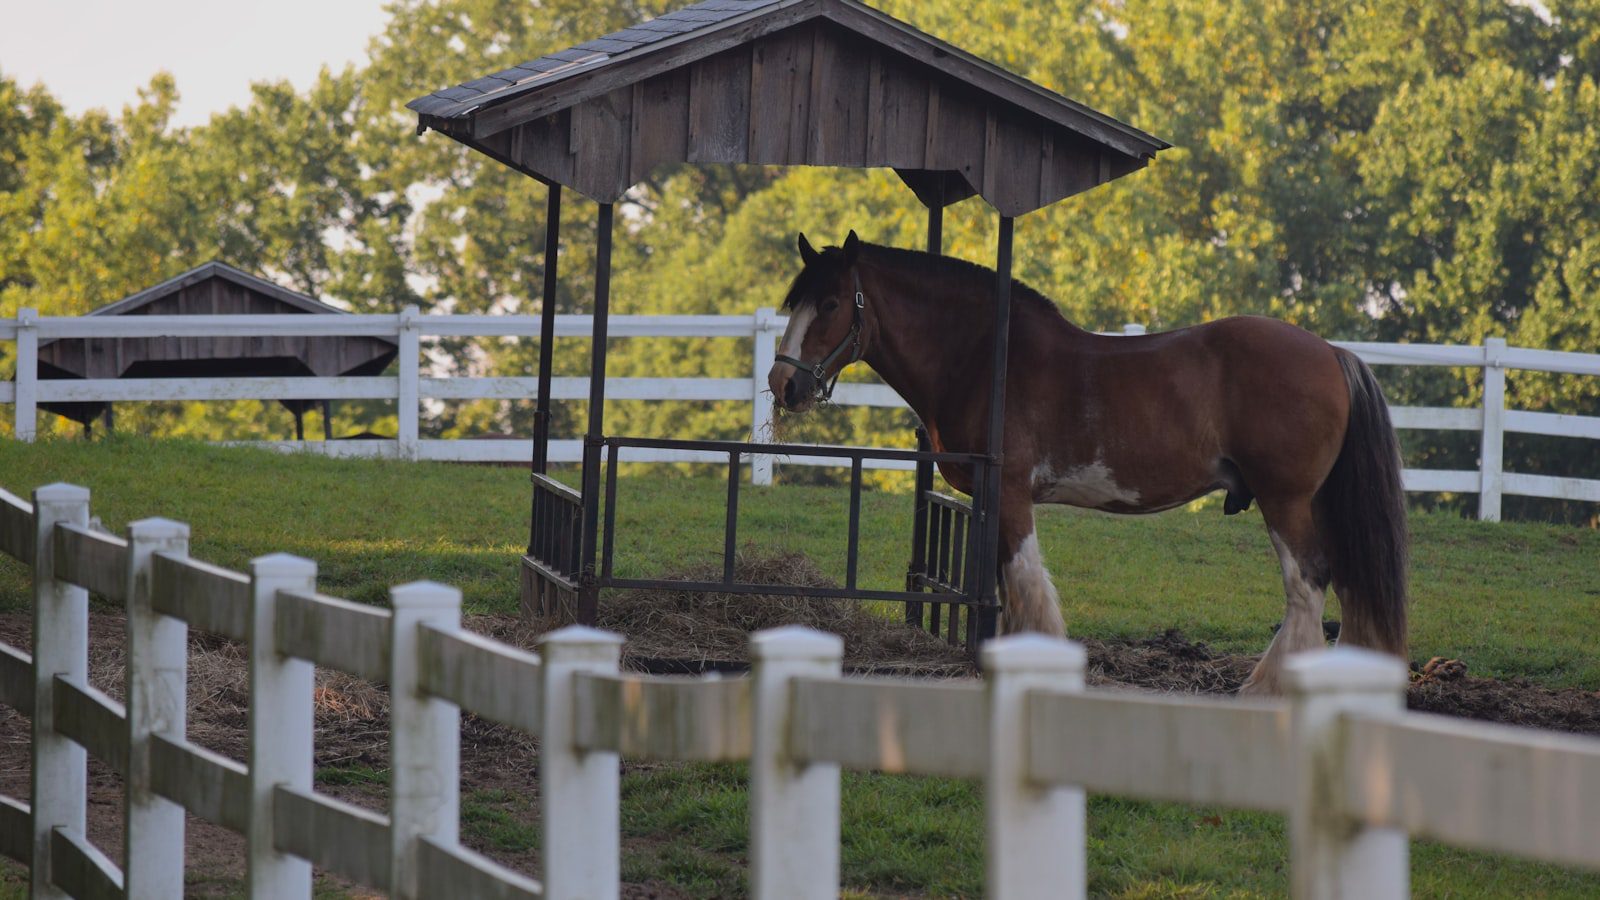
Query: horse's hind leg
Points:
[1305, 583]
[1029, 600]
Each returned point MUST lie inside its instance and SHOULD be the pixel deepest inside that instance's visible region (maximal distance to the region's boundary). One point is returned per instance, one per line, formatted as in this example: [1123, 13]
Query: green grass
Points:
[1510, 599]
[501, 820]
[1513, 600]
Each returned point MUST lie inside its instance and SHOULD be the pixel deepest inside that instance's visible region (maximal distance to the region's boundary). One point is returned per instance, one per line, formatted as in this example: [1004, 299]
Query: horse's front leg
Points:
[1028, 598]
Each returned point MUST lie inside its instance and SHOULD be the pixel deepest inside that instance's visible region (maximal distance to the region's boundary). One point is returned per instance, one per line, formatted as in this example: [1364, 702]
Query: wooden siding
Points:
[113, 357]
[816, 94]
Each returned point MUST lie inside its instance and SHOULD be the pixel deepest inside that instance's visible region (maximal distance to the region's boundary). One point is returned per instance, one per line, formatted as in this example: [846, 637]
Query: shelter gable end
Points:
[814, 92]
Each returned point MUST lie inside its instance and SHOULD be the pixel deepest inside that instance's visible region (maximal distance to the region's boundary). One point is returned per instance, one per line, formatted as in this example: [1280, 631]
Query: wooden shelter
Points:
[780, 82]
[212, 289]
[787, 82]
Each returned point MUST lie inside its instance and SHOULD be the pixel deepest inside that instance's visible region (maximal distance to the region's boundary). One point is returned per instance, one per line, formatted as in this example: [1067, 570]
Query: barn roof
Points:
[215, 288]
[215, 269]
[787, 82]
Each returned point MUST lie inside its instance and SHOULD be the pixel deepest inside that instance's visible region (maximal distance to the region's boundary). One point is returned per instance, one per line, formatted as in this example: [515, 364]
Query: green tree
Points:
[1370, 169]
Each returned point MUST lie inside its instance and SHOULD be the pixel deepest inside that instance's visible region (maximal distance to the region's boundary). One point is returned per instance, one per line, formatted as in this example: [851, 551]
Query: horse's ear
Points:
[808, 255]
[852, 246]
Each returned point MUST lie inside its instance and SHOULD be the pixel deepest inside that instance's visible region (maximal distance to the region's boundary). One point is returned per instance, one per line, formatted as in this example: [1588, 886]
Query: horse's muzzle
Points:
[793, 389]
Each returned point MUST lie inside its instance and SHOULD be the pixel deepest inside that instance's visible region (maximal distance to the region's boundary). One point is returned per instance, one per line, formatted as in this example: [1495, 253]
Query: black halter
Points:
[851, 341]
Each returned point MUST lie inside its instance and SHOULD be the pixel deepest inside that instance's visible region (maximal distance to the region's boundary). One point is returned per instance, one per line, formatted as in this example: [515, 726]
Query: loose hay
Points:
[1169, 663]
[700, 630]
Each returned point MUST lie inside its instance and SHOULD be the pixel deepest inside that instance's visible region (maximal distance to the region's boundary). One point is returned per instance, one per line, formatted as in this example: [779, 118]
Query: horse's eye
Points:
[829, 305]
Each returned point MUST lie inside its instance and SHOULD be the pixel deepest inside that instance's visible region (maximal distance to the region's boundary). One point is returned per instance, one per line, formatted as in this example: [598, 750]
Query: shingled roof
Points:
[742, 81]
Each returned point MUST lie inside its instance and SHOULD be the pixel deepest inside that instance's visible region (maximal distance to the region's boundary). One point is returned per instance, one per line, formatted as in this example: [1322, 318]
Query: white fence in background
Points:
[1352, 770]
[410, 389]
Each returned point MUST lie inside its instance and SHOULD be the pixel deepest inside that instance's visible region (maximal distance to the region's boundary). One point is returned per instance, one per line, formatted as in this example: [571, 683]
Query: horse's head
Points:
[826, 316]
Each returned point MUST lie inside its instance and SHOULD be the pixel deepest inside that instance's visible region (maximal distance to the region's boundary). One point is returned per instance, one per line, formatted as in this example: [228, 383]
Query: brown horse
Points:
[1251, 406]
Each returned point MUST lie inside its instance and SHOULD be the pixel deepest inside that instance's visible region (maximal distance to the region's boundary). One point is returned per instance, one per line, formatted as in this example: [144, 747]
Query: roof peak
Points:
[215, 268]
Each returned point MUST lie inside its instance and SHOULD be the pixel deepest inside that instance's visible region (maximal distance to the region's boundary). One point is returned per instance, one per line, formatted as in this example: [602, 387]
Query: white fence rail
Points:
[410, 388]
[1353, 772]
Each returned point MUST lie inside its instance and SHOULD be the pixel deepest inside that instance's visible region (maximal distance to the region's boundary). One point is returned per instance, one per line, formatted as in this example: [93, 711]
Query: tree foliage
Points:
[1370, 169]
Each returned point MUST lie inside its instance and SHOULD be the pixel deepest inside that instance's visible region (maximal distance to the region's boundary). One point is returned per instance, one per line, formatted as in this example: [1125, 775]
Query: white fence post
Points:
[579, 792]
[60, 647]
[27, 396]
[1492, 454]
[794, 806]
[157, 689]
[1330, 857]
[410, 382]
[1035, 840]
[762, 409]
[281, 719]
[424, 736]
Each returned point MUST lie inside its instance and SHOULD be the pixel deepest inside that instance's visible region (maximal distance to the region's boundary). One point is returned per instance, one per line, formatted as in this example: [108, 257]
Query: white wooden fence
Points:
[409, 389]
[1353, 772]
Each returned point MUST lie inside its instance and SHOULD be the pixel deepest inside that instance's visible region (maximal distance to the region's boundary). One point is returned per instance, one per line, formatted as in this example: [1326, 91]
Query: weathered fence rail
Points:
[1354, 773]
[410, 388]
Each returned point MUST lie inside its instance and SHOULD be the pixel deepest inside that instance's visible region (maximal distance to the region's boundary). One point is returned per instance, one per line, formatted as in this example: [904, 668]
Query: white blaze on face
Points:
[795, 334]
[793, 337]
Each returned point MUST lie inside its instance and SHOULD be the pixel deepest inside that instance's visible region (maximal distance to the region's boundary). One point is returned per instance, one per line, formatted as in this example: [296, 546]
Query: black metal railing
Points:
[946, 592]
[944, 560]
[553, 559]
[947, 555]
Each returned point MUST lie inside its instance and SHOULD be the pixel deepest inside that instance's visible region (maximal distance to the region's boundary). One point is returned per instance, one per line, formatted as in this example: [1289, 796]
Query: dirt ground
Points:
[352, 715]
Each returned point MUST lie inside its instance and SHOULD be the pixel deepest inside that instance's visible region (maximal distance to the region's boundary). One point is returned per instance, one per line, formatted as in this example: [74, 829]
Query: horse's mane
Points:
[973, 280]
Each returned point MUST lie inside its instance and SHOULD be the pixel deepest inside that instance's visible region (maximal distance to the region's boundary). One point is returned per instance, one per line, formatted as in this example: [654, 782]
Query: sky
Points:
[98, 53]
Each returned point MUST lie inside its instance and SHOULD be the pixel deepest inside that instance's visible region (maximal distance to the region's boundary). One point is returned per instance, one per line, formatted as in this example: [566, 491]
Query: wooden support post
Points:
[410, 382]
[794, 806]
[989, 511]
[1330, 857]
[923, 480]
[157, 703]
[425, 738]
[588, 547]
[60, 647]
[547, 331]
[327, 420]
[920, 513]
[1491, 465]
[281, 718]
[1036, 841]
[763, 410]
[579, 791]
[27, 396]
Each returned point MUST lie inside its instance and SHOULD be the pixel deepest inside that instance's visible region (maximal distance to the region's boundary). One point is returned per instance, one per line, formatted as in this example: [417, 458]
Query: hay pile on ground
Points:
[1515, 702]
[713, 630]
[1169, 662]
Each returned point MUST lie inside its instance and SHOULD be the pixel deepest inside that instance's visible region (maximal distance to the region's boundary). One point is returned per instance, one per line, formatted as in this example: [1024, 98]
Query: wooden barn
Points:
[212, 289]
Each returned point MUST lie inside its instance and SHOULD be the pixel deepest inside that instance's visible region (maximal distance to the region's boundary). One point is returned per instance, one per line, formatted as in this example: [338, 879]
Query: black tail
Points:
[1362, 508]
